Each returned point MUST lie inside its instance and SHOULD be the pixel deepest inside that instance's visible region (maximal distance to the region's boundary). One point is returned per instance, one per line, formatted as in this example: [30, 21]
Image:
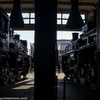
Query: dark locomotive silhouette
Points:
[14, 60]
[81, 60]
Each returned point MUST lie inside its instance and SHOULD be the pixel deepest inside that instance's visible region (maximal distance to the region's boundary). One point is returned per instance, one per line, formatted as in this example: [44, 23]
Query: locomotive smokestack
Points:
[74, 36]
[17, 37]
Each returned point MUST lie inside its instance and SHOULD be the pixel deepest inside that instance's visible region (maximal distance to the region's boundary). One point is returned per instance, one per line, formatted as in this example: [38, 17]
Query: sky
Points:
[26, 35]
[29, 35]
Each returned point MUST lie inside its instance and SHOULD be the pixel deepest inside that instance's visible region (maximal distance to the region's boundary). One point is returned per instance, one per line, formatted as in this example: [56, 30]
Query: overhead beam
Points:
[68, 11]
[98, 3]
[28, 10]
[59, 3]
[27, 27]
[23, 10]
[80, 3]
[11, 2]
[32, 27]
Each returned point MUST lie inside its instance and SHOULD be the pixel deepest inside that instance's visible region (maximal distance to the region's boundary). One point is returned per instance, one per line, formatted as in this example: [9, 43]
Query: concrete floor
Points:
[76, 91]
[22, 90]
[25, 89]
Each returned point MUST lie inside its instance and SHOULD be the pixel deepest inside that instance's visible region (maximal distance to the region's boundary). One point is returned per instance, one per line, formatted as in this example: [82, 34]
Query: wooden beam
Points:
[80, 3]
[98, 3]
[29, 27]
[23, 10]
[11, 2]
[28, 10]
[32, 27]
[68, 11]
[62, 28]
[59, 3]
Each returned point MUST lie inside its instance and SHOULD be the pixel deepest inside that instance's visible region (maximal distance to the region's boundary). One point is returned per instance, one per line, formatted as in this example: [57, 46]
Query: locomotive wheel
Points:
[94, 78]
[5, 80]
[83, 79]
[75, 76]
[70, 76]
[12, 78]
[18, 77]
[24, 76]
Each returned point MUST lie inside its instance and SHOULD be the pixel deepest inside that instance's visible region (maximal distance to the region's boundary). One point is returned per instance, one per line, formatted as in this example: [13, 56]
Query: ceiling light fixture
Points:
[16, 16]
[75, 20]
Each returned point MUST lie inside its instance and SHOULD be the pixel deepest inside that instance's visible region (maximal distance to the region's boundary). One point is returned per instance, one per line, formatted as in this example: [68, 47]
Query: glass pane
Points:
[58, 15]
[32, 21]
[65, 16]
[32, 15]
[84, 21]
[26, 21]
[9, 14]
[58, 21]
[83, 16]
[25, 15]
[64, 22]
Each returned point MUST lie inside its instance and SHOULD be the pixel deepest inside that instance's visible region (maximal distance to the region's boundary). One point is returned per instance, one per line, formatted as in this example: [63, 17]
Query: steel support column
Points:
[45, 44]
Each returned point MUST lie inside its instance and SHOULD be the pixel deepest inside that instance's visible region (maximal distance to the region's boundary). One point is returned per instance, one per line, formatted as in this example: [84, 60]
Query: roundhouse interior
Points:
[51, 69]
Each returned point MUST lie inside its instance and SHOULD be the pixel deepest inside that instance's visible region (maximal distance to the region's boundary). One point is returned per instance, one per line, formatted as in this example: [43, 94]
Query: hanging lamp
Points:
[75, 20]
[16, 16]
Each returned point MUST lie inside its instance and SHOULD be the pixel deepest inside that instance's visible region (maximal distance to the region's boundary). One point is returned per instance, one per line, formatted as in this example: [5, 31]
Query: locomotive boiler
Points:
[81, 60]
[14, 60]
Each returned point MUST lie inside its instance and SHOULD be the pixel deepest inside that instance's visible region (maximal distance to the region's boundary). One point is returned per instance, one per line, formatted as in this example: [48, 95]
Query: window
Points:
[26, 21]
[58, 21]
[65, 16]
[58, 18]
[58, 15]
[32, 15]
[25, 15]
[9, 14]
[64, 22]
[25, 18]
[83, 16]
[62, 18]
[28, 18]
[32, 21]
[32, 18]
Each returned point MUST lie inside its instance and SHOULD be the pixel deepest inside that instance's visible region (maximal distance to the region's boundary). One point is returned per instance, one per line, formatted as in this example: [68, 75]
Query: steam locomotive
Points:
[81, 60]
[14, 60]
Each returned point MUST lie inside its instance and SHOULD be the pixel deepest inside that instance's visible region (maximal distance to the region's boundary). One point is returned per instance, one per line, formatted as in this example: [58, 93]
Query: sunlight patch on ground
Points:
[60, 76]
[23, 87]
[27, 83]
[29, 78]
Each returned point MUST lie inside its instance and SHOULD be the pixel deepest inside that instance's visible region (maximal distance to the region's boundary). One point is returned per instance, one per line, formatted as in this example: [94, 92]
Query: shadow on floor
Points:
[22, 89]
